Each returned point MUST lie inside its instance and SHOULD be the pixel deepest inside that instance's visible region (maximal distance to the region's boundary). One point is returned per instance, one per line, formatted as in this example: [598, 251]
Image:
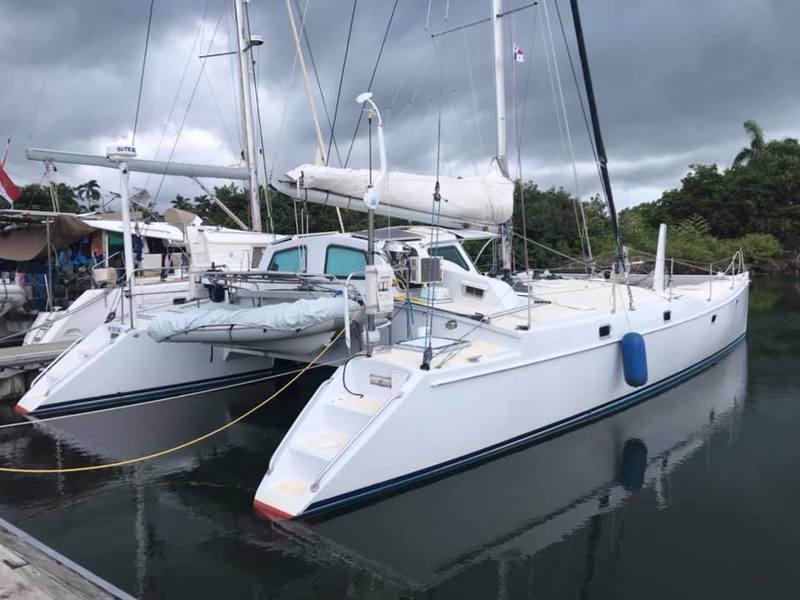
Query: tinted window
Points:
[341, 261]
[450, 253]
[288, 261]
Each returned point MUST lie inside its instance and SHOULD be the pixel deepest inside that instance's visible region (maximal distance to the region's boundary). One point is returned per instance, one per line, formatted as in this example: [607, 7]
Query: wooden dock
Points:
[33, 356]
[30, 570]
[19, 364]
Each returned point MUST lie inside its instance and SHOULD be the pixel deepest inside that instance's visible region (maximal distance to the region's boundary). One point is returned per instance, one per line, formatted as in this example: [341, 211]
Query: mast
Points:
[619, 261]
[243, 45]
[499, 85]
[506, 229]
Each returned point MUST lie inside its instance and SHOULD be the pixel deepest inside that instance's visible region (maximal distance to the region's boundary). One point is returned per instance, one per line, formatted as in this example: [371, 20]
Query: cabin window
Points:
[473, 291]
[450, 253]
[667, 315]
[713, 318]
[604, 331]
[290, 260]
[341, 261]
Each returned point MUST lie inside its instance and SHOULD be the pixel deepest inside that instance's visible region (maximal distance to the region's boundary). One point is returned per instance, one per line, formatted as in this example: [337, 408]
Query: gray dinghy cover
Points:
[289, 317]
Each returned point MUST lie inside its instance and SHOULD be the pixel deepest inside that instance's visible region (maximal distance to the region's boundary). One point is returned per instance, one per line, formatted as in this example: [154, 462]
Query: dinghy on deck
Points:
[226, 323]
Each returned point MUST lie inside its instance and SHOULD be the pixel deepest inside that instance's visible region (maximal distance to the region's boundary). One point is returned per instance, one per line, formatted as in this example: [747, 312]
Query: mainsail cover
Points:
[485, 200]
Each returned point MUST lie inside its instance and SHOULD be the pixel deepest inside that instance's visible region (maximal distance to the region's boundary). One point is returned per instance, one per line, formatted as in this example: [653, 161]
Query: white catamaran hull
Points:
[115, 364]
[412, 424]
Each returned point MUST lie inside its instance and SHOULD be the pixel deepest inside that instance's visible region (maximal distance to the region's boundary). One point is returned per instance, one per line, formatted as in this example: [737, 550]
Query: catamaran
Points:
[491, 369]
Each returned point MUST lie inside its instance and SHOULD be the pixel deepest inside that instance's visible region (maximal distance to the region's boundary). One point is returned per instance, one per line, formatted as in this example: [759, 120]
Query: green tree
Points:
[37, 197]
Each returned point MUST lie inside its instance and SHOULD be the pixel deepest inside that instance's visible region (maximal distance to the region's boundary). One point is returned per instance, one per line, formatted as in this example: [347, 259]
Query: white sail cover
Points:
[487, 199]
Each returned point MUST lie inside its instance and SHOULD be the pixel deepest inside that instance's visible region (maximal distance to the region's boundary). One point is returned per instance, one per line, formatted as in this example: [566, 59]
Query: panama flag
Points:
[7, 188]
[519, 54]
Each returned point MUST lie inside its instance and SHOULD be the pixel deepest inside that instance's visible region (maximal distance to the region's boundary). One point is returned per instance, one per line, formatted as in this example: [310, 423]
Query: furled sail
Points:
[482, 200]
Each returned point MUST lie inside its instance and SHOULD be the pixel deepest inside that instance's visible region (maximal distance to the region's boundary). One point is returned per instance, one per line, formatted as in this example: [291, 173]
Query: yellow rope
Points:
[186, 444]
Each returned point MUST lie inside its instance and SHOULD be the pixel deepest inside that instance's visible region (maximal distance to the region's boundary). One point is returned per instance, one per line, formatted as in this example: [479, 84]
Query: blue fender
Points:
[634, 359]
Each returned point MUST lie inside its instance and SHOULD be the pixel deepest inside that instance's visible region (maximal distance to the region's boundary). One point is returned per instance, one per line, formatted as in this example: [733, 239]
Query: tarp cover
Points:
[487, 199]
[26, 242]
[286, 316]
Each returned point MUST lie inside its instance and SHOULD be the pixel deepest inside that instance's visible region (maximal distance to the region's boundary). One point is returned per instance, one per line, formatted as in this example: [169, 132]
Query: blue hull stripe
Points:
[106, 401]
[529, 438]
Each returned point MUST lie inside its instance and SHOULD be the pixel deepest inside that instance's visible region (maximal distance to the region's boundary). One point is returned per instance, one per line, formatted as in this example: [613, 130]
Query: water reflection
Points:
[183, 525]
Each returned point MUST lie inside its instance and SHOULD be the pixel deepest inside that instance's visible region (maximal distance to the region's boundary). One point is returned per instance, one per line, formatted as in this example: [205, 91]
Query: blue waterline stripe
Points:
[98, 402]
[529, 438]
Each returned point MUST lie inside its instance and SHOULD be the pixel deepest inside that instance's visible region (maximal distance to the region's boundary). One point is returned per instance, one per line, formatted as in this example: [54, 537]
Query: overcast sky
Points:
[674, 82]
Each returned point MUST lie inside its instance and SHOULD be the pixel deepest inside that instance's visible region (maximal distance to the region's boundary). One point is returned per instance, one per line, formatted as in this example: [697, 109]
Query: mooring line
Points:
[181, 446]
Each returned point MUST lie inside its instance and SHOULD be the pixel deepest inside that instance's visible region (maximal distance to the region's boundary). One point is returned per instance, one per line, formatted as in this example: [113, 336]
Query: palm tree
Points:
[89, 193]
[182, 203]
[756, 136]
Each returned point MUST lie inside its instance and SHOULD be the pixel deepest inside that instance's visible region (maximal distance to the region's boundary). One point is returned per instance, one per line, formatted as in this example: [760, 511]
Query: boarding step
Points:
[324, 445]
[361, 404]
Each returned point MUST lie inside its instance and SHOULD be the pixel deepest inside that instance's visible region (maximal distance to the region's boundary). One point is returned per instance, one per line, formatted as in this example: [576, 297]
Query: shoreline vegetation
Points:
[754, 205]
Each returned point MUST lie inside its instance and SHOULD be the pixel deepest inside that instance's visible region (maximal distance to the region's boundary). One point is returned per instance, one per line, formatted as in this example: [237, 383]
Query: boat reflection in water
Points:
[520, 504]
[180, 524]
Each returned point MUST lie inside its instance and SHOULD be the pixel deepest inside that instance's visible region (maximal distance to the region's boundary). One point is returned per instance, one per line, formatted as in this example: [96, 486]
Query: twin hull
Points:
[540, 383]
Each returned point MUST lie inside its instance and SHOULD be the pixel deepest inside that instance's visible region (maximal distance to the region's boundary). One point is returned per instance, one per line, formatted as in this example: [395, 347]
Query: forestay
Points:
[484, 200]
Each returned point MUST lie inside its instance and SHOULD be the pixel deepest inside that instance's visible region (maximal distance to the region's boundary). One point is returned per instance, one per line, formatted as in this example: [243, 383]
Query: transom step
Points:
[323, 444]
[365, 405]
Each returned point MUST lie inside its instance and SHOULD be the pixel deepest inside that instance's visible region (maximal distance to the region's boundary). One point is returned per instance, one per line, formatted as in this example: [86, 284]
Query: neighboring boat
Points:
[162, 278]
[493, 369]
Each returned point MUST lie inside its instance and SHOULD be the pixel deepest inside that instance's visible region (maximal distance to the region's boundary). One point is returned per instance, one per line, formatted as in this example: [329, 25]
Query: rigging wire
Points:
[436, 209]
[580, 99]
[371, 80]
[474, 93]
[413, 96]
[180, 86]
[141, 76]
[189, 105]
[341, 81]
[285, 95]
[221, 114]
[305, 36]
[583, 230]
[552, 78]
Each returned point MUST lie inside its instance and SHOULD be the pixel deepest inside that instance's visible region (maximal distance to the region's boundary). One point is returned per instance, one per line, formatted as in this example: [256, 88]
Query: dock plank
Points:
[23, 357]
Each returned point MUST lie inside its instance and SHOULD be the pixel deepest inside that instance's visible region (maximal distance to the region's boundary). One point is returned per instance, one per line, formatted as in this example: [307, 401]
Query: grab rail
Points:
[315, 485]
[58, 358]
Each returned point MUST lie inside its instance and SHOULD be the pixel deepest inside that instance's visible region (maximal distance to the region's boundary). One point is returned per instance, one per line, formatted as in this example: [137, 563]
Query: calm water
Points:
[690, 494]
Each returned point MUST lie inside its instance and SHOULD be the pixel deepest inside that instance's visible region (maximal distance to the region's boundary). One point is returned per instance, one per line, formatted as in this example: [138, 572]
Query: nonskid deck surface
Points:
[560, 299]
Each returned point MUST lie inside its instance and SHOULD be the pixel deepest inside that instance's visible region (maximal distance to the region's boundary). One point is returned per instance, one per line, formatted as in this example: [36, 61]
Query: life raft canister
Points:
[634, 359]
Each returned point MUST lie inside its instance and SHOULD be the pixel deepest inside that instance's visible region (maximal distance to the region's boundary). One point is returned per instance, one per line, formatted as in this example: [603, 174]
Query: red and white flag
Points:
[7, 188]
[519, 54]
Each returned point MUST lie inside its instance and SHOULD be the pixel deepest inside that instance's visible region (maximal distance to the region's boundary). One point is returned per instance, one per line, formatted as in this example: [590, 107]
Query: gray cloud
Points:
[674, 82]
